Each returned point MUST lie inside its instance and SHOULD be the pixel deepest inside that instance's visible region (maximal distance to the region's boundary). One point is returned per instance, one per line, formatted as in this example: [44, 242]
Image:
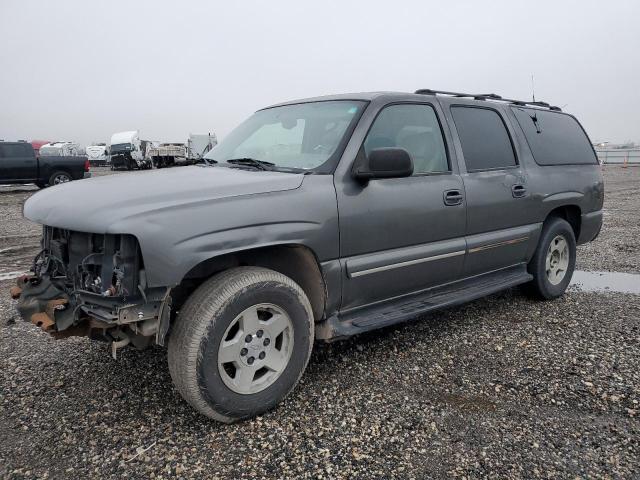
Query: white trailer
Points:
[199, 145]
[98, 154]
[60, 149]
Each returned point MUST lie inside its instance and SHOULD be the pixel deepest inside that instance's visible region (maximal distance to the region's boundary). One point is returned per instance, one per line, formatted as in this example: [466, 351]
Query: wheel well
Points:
[58, 170]
[295, 261]
[572, 214]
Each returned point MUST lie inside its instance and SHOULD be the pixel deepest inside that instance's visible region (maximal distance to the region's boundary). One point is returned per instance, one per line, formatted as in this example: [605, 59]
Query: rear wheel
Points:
[553, 263]
[241, 343]
[59, 177]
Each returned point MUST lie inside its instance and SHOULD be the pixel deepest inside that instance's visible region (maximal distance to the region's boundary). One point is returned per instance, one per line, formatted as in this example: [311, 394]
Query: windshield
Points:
[302, 136]
[120, 147]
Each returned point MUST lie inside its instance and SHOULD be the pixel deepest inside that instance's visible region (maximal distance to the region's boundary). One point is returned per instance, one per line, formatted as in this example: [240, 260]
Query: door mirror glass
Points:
[386, 162]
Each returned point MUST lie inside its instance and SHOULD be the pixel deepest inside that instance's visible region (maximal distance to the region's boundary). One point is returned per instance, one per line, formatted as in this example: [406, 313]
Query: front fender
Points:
[175, 242]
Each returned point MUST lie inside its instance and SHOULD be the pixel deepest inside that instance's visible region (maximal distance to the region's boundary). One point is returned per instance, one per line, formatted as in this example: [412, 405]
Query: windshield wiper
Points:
[209, 161]
[252, 162]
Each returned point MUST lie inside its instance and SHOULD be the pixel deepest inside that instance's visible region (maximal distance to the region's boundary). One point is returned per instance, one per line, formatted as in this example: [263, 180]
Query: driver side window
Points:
[414, 128]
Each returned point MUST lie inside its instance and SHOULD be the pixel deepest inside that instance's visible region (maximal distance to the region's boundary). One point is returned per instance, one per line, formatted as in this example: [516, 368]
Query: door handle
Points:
[452, 197]
[518, 191]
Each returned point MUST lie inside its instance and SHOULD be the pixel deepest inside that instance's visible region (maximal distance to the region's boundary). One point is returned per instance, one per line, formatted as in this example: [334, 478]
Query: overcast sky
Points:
[82, 70]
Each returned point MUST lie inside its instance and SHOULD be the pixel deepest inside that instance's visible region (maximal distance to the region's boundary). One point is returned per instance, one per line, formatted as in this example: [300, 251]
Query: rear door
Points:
[402, 235]
[501, 224]
[17, 162]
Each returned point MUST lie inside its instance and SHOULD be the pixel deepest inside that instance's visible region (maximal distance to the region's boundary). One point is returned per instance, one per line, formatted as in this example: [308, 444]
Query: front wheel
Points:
[553, 263]
[241, 343]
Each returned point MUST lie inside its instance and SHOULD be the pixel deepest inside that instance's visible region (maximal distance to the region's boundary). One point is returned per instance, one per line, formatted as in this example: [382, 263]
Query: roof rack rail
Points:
[487, 96]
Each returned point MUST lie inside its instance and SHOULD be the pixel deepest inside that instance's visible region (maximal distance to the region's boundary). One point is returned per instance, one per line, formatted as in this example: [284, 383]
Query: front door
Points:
[402, 235]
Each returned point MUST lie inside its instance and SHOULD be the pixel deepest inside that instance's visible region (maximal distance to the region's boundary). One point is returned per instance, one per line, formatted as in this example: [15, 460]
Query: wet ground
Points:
[503, 387]
[617, 248]
[19, 238]
[613, 282]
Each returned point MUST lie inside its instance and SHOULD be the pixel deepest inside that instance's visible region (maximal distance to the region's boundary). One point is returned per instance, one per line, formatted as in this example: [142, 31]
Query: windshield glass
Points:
[121, 147]
[292, 136]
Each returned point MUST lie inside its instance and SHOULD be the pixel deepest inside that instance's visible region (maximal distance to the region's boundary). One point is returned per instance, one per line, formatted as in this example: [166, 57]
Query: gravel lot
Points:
[617, 248]
[504, 387]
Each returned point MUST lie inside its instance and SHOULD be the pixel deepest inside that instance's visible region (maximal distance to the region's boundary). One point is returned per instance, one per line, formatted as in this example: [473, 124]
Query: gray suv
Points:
[319, 218]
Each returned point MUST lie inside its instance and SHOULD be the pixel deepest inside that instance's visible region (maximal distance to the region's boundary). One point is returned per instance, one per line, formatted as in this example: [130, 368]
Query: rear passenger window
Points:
[414, 128]
[485, 141]
[15, 150]
[554, 138]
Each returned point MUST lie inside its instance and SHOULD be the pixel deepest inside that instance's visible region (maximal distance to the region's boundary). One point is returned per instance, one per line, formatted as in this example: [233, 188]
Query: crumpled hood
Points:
[99, 204]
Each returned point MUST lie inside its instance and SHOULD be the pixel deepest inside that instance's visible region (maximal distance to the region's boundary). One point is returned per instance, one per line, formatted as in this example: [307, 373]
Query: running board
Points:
[408, 307]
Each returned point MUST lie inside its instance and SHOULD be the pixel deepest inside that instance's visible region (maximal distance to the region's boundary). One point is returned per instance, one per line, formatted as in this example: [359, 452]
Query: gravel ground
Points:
[617, 248]
[504, 387]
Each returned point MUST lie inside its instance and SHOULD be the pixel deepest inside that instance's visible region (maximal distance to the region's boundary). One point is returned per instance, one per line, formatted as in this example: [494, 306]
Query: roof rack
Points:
[487, 96]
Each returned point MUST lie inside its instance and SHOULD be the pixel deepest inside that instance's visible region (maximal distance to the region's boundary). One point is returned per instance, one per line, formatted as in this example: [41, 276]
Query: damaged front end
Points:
[94, 285]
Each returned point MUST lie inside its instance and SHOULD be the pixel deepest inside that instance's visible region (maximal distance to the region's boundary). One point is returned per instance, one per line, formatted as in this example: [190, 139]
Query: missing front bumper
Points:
[85, 314]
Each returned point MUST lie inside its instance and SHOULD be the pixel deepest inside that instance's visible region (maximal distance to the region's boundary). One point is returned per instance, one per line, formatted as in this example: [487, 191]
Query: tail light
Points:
[86, 165]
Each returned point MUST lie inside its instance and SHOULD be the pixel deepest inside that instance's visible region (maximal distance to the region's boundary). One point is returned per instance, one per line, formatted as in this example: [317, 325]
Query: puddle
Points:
[606, 282]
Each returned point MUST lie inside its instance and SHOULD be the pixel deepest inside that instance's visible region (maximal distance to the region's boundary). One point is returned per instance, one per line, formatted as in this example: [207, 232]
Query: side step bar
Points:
[408, 307]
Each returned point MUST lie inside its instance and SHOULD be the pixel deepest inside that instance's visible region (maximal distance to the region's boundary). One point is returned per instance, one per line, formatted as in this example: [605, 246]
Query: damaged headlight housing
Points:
[104, 264]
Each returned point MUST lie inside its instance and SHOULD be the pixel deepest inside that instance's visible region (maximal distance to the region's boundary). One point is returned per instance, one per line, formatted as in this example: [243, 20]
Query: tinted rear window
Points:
[485, 141]
[554, 138]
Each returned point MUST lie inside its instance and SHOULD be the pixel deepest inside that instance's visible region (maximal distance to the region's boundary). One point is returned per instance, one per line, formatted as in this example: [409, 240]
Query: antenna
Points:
[533, 88]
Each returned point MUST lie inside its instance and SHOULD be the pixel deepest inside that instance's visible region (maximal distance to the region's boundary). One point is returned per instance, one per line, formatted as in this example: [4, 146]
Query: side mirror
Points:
[385, 163]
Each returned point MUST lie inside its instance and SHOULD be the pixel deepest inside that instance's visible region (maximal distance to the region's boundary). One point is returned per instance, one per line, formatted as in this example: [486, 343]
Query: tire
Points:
[59, 177]
[209, 317]
[546, 284]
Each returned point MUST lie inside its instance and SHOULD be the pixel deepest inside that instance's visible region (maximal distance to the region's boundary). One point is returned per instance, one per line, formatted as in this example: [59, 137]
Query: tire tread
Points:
[195, 318]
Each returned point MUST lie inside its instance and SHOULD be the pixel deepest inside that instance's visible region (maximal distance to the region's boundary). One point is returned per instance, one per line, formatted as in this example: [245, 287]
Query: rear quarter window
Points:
[554, 138]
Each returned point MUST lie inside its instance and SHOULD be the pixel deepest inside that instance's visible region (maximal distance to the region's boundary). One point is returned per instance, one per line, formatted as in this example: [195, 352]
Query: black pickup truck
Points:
[19, 164]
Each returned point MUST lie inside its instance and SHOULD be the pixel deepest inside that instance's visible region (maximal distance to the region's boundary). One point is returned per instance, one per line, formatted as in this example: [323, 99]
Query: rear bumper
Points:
[590, 226]
[87, 175]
